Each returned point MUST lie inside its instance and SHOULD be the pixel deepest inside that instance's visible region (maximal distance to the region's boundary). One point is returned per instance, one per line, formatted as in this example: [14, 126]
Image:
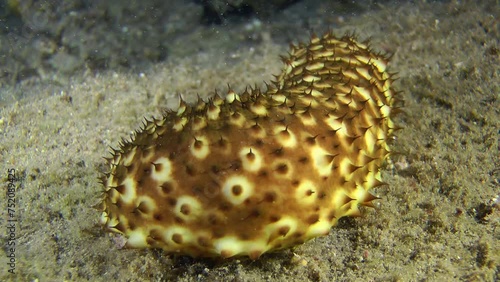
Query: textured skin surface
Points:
[258, 171]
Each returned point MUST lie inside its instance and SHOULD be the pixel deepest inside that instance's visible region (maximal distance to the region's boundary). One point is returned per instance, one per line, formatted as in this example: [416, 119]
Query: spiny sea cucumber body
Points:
[258, 171]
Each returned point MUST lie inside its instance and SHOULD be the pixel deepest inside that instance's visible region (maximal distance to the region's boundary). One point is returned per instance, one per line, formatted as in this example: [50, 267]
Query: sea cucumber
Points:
[261, 170]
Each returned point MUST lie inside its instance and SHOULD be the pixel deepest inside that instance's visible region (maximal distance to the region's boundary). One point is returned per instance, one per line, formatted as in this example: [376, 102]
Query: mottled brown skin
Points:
[258, 171]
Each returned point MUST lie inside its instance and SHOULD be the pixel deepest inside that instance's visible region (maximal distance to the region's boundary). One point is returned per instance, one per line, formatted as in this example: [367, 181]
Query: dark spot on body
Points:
[120, 226]
[256, 129]
[197, 190]
[190, 170]
[235, 116]
[166, 187]
[270, 197]
[236, 190]
[177, 238]
[172, 201]
[331, 215]
[120, 189]
[141, 181]
[130, 168]
[278, 152]
[197, 121]
[155, 235]
[285, 134]
[283, 230]
[150, 241]
[218, 233]
[313, 219]
[198, 144]
[330, 158]
[225, 206]
[185, 209]
[274, 218]
[303, 160]
[311, 140]
[255, 213]
[222, 143]
[235, 165]
[172, 156]
[158, 167]
[215, 169]
[259, 143]
[250, 156]
[203, 241]
[298, 234]
[282, 168]
[143, 207]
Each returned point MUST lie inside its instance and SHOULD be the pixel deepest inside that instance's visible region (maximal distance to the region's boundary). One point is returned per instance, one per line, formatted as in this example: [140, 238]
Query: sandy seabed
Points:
[438, 218]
